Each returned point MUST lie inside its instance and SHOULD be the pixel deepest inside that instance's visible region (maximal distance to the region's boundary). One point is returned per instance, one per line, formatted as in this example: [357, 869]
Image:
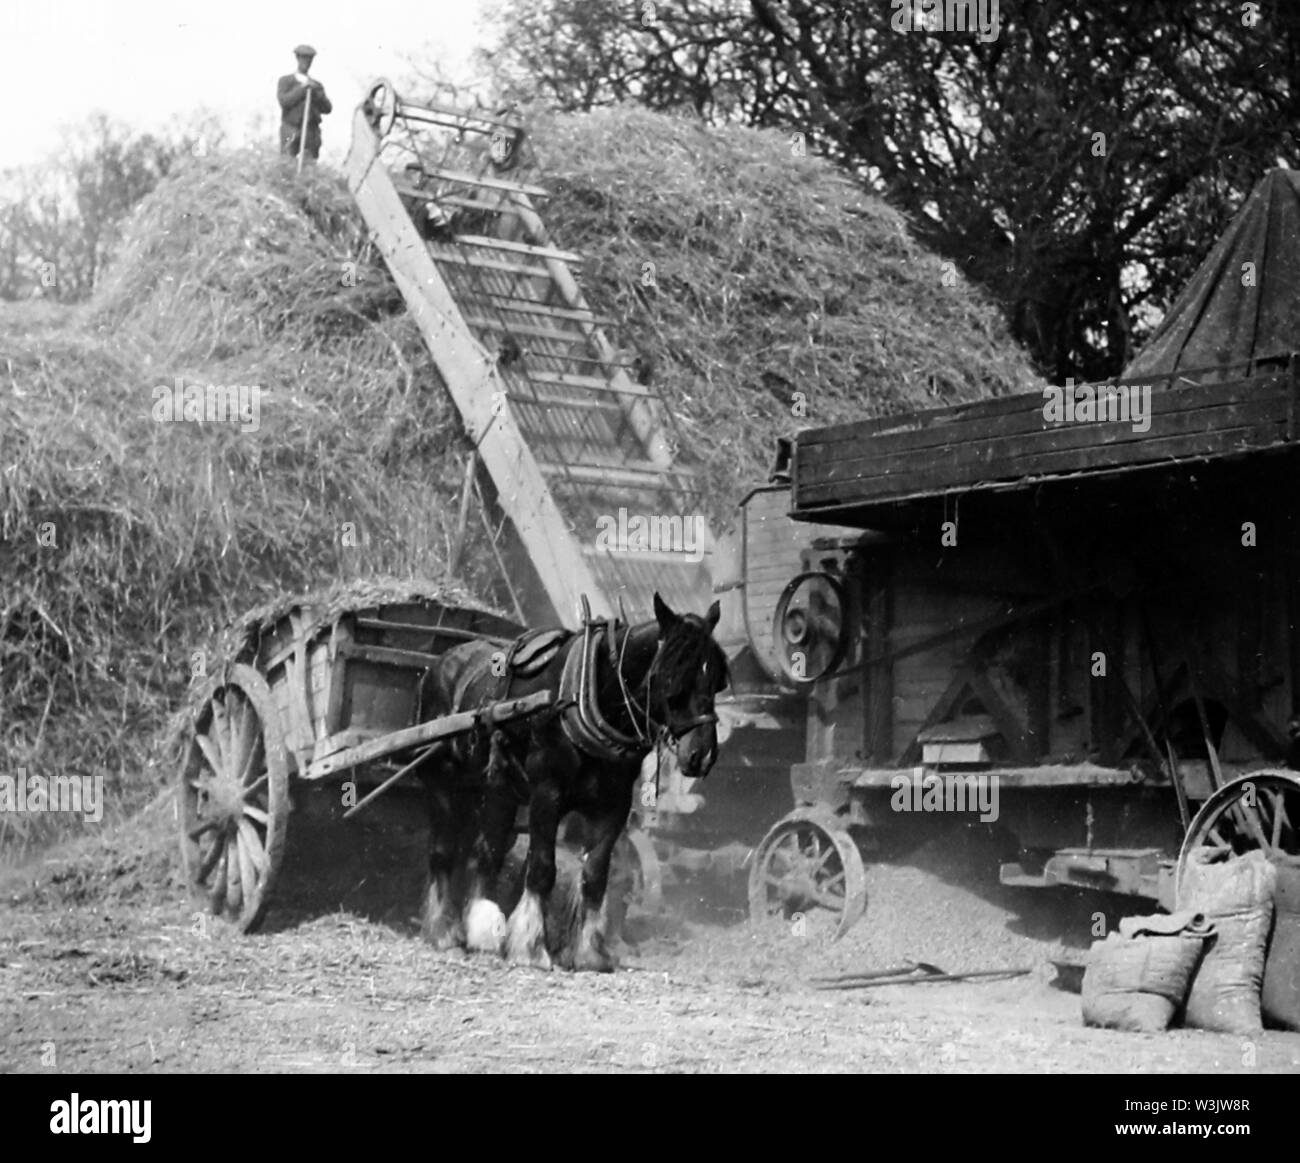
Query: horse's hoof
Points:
[452, 937]
[537, 958]
[442, 935]
[485, 928]
[594, 961]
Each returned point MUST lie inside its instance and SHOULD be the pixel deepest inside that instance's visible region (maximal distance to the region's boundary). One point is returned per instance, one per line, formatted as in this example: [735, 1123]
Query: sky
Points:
[149, 63]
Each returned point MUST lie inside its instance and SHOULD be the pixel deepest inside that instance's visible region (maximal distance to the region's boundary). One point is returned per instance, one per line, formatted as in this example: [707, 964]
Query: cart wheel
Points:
[808, 860]
[1259, 810]
[234, 799]
[635, 879]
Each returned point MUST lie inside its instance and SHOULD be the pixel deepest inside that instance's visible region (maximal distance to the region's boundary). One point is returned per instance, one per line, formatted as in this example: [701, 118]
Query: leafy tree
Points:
[1078, 164]
[61, 220]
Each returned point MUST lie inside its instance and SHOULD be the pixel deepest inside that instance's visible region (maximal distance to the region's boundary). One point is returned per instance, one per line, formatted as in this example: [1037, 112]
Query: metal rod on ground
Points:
[907, 967]
[861, 981]
[392, 779]
[302, 133]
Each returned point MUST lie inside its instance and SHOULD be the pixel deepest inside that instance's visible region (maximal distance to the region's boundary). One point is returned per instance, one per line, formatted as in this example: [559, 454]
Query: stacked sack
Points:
[1229, 957]
[1236, 894]
[1138, 978]
[1280, 994]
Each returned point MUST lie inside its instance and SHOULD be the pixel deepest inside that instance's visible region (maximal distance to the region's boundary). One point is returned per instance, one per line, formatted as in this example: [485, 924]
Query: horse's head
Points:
[688, 672]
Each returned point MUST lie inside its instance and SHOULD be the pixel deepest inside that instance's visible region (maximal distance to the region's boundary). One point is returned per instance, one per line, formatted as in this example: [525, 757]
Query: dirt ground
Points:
[105, 966]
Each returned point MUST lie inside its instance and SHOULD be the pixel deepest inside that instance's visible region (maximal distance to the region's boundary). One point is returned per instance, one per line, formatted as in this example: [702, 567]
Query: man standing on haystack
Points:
[301, 96]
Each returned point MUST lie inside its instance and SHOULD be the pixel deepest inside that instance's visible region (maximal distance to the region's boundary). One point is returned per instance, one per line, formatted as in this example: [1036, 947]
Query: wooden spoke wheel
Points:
[635, 878]
[234, 799]
[1259, 810]
[808, 861]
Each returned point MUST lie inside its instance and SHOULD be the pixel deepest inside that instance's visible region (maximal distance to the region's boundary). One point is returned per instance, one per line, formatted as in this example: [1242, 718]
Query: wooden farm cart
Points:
[328, 692]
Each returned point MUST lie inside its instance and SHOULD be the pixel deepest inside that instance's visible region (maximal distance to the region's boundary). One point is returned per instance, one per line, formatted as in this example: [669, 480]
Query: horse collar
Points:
[584, 725]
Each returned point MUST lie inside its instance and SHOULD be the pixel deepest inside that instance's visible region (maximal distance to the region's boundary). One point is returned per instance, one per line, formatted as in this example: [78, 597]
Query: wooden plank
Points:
[931, 417]
[645, 473]
[1163, 404]
[584, 403]
[500, 206]
[340, 635]
[299, 688]
[996, 408]
[440, 728]
[564, 380]
[880, 458]
[459, 117]
[524, 329]
[489, 264]
[810, 498]
[512, 303]
[453, 632]
[463, 179]
[487, 243]
[1059, 775]
[388, 655]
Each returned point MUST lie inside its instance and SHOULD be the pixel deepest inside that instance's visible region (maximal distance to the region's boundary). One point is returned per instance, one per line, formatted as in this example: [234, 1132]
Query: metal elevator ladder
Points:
[579, 453]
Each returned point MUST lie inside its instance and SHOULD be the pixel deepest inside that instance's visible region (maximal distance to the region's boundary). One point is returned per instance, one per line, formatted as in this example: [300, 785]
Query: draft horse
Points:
[618, 691]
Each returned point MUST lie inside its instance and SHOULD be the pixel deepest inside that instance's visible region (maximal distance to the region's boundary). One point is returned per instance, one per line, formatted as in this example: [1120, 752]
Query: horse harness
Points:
[580, 716]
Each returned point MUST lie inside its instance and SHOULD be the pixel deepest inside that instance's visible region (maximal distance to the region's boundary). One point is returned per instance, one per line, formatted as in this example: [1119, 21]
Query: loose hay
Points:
[773, 275]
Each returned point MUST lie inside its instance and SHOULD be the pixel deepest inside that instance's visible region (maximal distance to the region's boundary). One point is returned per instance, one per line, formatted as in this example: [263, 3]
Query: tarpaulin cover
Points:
[1229, 313]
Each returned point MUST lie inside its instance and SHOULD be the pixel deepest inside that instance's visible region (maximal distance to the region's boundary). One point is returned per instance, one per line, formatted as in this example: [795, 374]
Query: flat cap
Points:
[304, 50]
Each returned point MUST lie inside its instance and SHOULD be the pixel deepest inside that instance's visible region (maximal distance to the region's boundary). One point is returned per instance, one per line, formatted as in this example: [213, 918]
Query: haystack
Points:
[782, 295]
[128, 542]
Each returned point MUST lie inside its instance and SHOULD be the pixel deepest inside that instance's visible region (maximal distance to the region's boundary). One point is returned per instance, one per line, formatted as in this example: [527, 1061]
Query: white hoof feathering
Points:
[441, 926]
[485, 928]
[526, 942]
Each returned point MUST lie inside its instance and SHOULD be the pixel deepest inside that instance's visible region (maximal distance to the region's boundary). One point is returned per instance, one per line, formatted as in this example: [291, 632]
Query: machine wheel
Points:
[381, 106]
[1259, 810]
[233, 799]
[808, 860]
